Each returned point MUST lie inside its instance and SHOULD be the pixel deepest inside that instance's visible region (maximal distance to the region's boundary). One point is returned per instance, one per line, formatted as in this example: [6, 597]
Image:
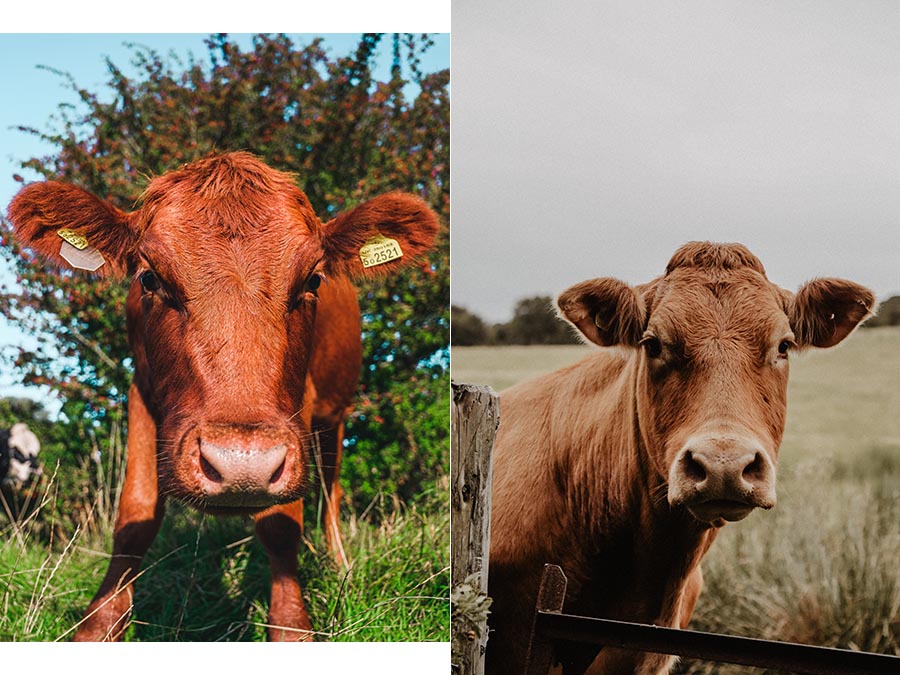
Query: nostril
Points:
[278, 473]
[755, 470]
[692, 468]
[209, 470]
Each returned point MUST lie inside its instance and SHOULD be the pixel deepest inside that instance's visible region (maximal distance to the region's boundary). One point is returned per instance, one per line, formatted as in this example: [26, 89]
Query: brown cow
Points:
[246, 336]
[622, 467]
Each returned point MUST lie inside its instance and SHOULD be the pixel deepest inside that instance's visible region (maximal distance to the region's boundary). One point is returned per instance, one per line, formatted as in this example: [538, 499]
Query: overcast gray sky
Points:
[592, 138]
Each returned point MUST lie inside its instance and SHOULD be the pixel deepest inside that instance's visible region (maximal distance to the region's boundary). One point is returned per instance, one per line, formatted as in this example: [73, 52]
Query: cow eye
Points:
[652, 346]
[149, 281]
[784, 347]
[313, 283]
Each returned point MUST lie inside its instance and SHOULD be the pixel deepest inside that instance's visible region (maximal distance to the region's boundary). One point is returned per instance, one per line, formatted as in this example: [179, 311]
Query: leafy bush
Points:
[345, 136]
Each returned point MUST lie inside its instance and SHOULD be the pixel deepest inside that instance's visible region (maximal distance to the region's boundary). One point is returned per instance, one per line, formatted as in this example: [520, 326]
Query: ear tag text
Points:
[88, 258]
[79, 241]
[379, 250]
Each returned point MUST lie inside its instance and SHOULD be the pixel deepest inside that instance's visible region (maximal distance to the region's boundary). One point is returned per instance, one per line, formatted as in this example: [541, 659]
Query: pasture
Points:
[823, 567]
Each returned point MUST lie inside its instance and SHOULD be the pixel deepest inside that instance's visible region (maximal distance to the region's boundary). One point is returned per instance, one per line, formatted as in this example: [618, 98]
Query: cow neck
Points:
[600, 463]
[627, 554]
[666, 545]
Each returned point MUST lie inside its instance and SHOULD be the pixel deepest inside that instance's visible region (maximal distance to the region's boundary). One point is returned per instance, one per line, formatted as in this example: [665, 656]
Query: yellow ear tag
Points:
[76, 251]
[379, 250]
[79, 241]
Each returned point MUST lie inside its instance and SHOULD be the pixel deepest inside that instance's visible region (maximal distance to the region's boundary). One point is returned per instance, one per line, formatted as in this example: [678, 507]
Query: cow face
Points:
[712, 340]
[228, 264]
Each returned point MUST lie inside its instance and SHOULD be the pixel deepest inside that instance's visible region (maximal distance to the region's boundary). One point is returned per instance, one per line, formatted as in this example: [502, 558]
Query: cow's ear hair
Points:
[606, 311]
[396, 217]
[825, 311]
[40, 210]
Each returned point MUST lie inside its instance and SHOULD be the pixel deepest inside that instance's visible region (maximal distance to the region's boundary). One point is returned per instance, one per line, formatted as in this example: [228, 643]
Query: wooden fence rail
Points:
[551, 625]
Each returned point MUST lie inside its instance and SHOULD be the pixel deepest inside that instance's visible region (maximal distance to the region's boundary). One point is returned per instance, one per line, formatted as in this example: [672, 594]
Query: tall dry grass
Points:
[804, 572]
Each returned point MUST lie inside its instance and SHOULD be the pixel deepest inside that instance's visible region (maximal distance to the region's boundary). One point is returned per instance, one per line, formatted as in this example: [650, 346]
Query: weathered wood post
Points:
[474, 420]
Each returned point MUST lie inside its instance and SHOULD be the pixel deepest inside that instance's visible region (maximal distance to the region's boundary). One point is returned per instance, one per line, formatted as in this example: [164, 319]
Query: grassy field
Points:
[824, 566]
[207, 579]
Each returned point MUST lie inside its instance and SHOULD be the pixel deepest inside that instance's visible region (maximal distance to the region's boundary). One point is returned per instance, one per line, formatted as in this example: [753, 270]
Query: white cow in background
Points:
[21, 448]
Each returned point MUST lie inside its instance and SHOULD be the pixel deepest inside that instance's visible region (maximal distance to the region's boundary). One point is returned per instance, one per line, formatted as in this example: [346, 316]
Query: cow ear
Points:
[379, 236]
[43, 213]
[606, 311]
[825, 311]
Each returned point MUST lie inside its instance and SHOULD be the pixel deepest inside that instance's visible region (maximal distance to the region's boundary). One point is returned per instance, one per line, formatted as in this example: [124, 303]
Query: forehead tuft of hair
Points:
[226, 185]
[705, 255]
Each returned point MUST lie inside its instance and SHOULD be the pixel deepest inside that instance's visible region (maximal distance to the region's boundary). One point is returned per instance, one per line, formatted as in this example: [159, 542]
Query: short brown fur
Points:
[622, 468]
[245, 369]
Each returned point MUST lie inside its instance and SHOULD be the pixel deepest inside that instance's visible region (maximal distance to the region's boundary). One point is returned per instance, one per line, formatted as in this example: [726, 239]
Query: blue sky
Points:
[32, 95]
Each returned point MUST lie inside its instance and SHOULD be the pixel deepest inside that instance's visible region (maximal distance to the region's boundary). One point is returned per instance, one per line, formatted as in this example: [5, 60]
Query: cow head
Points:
[23, 448]
[227, 261]
[713, 338]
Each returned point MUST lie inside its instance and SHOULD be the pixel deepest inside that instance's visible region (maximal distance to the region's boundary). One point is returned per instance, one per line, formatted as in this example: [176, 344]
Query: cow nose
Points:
[722, 470]
[235, 467]
[736, 476]
[241, 465]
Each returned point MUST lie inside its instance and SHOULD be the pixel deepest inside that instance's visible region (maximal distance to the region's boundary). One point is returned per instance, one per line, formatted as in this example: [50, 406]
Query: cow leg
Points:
[328, 461]
[645, 663]
[689, 597]
[279, 530]
[611, 661]
[140, 513]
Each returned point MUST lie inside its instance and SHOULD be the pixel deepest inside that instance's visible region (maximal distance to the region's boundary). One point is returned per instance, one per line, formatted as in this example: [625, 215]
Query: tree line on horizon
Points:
[535, 322]
[888, 314]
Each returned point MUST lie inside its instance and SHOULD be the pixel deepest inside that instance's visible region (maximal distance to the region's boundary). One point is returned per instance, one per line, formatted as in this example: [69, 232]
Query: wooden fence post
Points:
[474, 421]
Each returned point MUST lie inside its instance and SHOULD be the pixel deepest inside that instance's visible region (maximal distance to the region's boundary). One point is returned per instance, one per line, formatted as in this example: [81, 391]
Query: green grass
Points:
[823, 567]
[207, 579]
